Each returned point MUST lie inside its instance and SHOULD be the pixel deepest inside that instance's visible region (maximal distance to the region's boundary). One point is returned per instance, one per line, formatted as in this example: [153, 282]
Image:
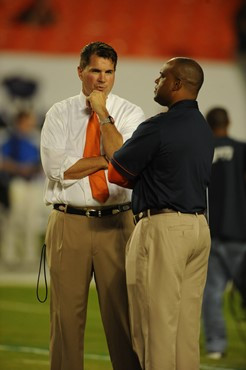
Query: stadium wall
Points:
[225, 83]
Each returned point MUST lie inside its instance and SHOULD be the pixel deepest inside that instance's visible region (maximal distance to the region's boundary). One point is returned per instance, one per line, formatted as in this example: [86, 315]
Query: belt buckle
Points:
[88, 213]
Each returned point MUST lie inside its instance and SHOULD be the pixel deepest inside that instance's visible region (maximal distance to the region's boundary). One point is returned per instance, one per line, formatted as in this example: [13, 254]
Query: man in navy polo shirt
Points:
[167, 162]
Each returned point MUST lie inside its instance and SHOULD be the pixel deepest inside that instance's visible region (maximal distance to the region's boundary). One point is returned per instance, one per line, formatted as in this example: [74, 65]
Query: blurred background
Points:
[40, 42]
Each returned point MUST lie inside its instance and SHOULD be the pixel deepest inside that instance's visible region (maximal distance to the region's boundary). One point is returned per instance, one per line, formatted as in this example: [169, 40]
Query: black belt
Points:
[153, 211]
[90, 212]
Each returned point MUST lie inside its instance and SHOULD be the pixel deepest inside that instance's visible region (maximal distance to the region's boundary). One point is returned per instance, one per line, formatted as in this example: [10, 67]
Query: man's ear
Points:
[177, 85]
[79, 70]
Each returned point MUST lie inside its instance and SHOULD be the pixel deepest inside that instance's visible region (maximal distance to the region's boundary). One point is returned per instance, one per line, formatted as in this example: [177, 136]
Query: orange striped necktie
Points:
[98, 182]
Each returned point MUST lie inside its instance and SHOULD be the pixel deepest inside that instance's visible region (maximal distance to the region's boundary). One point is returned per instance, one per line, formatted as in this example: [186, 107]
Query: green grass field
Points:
[24, 335]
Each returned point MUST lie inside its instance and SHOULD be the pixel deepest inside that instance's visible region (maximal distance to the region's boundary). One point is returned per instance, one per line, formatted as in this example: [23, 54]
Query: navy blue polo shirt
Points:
[169, 159]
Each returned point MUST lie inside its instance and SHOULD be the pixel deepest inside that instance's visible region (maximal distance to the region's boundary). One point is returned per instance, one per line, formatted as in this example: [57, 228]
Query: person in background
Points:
[4, 185]
[167, 162]
[227, 218]
[91, 219]
[20, 169]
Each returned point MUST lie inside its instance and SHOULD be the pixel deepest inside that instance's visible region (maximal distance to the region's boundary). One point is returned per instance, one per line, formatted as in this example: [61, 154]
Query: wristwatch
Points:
[109, 119]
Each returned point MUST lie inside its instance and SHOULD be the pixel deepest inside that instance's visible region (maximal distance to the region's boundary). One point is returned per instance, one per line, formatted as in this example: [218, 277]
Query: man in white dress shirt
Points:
[86, 237]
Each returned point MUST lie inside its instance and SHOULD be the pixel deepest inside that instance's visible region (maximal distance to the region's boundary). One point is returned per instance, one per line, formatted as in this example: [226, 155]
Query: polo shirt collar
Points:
[184, 104]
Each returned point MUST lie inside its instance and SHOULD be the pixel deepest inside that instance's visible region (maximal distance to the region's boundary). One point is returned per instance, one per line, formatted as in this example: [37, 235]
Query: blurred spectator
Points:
[20, 87]
[20, 155]
[4, 198]
[20, 169]
[4, 183]
[39, 13]
[240, 28]
[19, 93]
[227, 211]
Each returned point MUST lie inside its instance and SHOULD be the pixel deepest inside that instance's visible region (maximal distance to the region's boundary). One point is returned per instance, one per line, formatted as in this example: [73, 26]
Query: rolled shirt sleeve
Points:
[55, 163]
[55, 155]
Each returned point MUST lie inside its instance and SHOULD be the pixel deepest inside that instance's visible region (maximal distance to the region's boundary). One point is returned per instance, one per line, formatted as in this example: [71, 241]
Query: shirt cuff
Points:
[69, 162]
[117, 178]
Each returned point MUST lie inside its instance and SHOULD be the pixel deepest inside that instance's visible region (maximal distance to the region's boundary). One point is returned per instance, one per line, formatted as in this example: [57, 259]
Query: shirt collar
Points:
[184, 104]
[82, 99]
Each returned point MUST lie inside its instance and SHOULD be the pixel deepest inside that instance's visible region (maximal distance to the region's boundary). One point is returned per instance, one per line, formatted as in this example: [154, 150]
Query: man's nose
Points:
[102, 76]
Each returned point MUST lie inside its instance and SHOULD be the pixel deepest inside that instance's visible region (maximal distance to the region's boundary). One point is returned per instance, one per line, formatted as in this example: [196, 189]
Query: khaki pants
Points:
[166, 267]
[77, 248]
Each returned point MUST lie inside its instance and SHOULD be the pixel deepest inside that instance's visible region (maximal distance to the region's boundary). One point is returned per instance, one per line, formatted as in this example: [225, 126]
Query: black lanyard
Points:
[42, 259]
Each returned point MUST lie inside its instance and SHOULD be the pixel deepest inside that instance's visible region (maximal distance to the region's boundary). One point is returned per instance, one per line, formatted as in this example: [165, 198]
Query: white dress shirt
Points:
[62, 145]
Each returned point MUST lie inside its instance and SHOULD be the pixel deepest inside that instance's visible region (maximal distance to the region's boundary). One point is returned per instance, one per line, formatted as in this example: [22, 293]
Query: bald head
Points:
[189, 72]
[180, 79]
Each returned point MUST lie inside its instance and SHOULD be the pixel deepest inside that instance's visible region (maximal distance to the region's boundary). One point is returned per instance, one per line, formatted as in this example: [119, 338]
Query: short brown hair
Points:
[100, 49]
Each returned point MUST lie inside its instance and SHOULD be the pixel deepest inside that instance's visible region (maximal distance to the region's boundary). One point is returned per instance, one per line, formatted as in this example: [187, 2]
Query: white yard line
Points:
[45, 352]
[22, 349]
[88, 356]
[209, 367]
